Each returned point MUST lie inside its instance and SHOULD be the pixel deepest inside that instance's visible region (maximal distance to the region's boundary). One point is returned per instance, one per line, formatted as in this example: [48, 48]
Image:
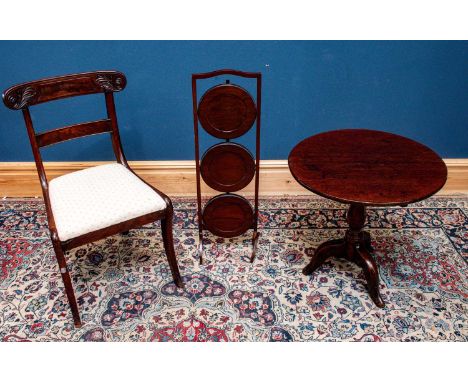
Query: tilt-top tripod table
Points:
[364, 168]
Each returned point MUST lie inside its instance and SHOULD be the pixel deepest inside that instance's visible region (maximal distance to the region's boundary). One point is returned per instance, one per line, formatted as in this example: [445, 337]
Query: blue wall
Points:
[414, 88]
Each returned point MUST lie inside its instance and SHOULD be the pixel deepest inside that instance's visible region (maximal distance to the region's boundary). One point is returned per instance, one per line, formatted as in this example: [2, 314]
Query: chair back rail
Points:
[74, 131]
[54, 88]
[22, 96]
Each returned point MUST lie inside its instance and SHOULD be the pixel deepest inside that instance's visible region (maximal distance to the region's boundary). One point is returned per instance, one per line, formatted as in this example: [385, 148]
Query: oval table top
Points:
[368, 167]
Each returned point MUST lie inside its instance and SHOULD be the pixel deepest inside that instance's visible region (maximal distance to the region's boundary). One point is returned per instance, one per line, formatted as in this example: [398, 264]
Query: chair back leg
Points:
[166, 228]
[59, 253]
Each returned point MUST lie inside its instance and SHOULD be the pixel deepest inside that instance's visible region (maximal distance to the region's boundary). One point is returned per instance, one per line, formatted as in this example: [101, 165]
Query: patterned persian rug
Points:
[125, 290]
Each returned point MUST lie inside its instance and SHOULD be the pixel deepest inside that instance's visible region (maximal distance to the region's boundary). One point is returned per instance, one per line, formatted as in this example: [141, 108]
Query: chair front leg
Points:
[59, 253]
[166, 228]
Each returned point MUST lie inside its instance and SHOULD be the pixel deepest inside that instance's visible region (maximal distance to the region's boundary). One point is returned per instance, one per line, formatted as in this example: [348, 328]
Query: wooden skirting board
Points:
[178, 177]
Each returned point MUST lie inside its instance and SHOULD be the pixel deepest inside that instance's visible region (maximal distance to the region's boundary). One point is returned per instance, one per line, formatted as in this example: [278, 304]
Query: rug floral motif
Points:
[125, 290]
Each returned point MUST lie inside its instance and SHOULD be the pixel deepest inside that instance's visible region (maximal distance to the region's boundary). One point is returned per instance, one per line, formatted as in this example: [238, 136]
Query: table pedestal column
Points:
[355, 247]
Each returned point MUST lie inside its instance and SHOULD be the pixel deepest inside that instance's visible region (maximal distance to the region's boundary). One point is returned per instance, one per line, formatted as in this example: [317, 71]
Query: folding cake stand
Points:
[227, 111]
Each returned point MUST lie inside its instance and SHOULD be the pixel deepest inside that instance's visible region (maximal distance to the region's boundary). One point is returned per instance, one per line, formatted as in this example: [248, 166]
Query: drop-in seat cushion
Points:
[98, 197]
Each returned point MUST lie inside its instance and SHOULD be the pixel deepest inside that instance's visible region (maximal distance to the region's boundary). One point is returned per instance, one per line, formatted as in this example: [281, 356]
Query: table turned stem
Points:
[355, 247]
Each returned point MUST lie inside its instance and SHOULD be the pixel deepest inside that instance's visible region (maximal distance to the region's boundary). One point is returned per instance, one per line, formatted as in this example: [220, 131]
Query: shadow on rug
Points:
[125, 290]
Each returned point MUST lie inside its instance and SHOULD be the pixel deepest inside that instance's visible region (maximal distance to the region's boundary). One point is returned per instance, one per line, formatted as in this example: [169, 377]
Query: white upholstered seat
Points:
[98, 197]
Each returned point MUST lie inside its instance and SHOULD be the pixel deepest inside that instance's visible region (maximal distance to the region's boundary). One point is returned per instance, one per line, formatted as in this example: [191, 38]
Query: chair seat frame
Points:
[21, 97]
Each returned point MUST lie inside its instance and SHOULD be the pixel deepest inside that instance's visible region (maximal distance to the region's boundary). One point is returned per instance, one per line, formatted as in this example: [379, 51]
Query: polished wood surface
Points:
[355, 247]
[228, 215]
[227, 111]
[227, 167]
[367, 166]
[54, 88]
[364, 167]
[74, 131]
[21, 97]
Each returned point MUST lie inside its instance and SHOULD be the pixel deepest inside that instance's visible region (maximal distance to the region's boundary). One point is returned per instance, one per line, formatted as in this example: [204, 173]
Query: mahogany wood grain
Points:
[74, 131]
[227, 111]
[364, 167]
[228, 215]
[227, 167]
[355, 247]
[122, 227]
[54, 88]
[367, 166]
[32, 93]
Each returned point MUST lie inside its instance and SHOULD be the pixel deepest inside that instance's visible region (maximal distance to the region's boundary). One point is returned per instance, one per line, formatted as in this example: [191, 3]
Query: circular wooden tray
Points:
[228, 215]
[227, 111]
[227, 167]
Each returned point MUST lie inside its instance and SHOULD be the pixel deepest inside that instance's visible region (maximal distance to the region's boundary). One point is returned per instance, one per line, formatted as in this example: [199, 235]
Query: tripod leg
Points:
[371, 271]
[331, 248]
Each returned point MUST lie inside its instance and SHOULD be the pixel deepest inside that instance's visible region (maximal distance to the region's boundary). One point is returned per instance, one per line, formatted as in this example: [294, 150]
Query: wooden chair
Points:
[91, 204]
